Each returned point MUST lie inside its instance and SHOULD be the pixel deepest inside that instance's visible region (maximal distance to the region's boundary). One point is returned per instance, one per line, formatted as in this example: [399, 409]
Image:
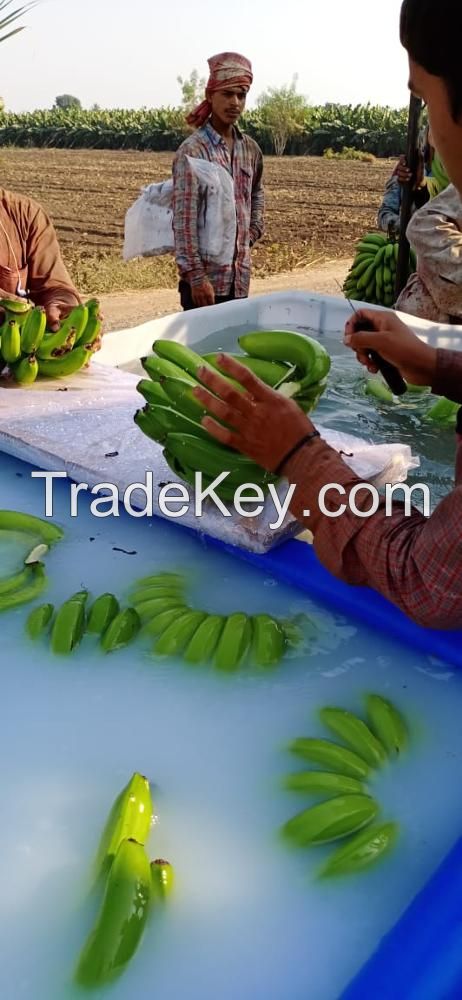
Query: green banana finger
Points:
[332, 756]
[69, 364]
[443, 412]
[388, 724]
[122, 919]
[205, 640]
[147, 423]
[331, 820]
[76, 320]
[172, 421]
[377, 388]
[310, 358]
[179, 392]
[102, 613]
[144, 594]
[268, 641]
[17, 306]
[35, 585]
[11, 342]
[152, 392]
[121, 630]
[163, 878]
[323, 782]
[234, 642]
[53, 343]
[25, 371]
[362, 851]
[157, 625]
[355, 734]
[15, 581]
[90, 332]
[269, 372]
[69, 624]
[212, 458]
[29, 524]
[162, 580]
[38, 620]
[158, 368]
[130, 818]
[182, 356]
[156, 605]
[33, 330]
[177, 636]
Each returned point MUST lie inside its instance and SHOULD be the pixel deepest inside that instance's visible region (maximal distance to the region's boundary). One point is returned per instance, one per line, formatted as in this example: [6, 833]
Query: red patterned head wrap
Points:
[228, 69]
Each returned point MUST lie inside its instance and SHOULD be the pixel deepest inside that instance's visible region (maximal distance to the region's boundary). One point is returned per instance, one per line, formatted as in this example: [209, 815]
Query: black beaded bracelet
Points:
[293, 451]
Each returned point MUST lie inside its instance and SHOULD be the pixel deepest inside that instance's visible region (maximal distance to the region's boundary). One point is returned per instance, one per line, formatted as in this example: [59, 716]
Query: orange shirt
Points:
[30, 258]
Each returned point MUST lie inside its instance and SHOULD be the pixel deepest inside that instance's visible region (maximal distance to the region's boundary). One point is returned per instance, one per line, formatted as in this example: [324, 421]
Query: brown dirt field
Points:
[316, 209]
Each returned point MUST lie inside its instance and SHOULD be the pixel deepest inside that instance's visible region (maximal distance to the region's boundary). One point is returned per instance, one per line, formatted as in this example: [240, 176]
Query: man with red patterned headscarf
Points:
[218, 140]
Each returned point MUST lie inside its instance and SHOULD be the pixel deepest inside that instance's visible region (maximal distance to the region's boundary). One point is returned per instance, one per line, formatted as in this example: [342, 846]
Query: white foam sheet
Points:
[84, 427]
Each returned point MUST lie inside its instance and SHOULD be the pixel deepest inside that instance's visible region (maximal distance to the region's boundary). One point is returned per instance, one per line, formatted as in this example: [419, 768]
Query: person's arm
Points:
[388, 215]
[258, 203]
[186, 194]
[49, 282]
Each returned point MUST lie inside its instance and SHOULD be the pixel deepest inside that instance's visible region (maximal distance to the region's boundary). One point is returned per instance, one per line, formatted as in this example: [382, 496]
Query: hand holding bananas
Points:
[395, 342]
[263, 425]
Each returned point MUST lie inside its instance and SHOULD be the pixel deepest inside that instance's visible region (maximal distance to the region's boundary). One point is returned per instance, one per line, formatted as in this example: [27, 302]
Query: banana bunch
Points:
[30, 350]
[133, 887]
[372, 276]
[30, 580]
[116, 628]
[294, 365]
[200, 637]
[349, 809]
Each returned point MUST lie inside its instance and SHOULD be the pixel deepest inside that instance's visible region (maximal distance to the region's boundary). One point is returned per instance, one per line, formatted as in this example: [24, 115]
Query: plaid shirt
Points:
[416, 562]
[246, 167]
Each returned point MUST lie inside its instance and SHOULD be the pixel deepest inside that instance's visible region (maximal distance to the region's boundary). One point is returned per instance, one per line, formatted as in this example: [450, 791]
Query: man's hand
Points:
[56, 312]
[203, 294]
[404, 175]
[395, 342]
[263, 424]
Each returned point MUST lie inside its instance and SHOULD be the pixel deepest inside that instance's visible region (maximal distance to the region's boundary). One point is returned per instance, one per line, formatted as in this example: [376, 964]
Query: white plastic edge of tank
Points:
[308, 312]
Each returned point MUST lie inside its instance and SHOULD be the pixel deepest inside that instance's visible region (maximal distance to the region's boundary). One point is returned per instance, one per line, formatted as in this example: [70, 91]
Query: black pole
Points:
[402, 267]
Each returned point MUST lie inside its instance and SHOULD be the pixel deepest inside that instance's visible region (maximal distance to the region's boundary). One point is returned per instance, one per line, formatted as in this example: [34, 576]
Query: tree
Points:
[67, 101]
[283, 114]
[192, 90]
[12, 16]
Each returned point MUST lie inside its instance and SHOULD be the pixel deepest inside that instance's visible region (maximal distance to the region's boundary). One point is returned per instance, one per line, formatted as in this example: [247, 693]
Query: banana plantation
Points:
[371, 129]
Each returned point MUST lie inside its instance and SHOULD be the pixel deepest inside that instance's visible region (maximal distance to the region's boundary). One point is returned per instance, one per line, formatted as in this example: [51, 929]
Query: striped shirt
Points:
[245, 164]
[416, 562]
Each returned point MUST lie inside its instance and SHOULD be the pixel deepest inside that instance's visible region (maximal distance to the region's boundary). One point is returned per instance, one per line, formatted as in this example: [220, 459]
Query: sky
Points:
[129, 54]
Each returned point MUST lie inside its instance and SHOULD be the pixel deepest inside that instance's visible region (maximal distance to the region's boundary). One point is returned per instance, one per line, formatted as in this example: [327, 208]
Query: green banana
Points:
[55, 344]
[38, 620]
[179, 392]
[16, 581]
[152, 392]
[183, 357]
[121, 630]
[444, 412]
[11, 342]
[377, 388]
[212, 458]
[90, 333]
[16, 306]
[268, 641]
[204, 642]
[29, 524]
[102, 613]
[362, 851]
[331, 820]
[375, 239]
[69, 624]
[162, 878]
[122, 919]
[35, 585]
[388, 724]
[332, 756]
[162, 580]
[130, 818]
[171, 421]
[234, 642]
[33, 330]
[70, 363]
[155, 626]
[270, 372]
[76, 320]
[308, 355]
[323, 782]
[175, 638]
[145, 594]
[156, 605]
[146, 420]
[355, 734]
[25, 371]
[158, 368]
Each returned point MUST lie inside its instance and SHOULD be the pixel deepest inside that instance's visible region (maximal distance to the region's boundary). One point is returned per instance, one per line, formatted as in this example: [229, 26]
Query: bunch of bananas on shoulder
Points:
[29, 350]
[372, 276]
[290, 363]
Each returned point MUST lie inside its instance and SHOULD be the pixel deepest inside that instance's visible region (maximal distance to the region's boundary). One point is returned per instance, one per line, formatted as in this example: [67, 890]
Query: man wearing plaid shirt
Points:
[218, 139]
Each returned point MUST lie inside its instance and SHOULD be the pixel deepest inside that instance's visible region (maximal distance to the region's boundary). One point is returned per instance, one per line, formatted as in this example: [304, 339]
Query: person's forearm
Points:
[56, 294]
[413, 561]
